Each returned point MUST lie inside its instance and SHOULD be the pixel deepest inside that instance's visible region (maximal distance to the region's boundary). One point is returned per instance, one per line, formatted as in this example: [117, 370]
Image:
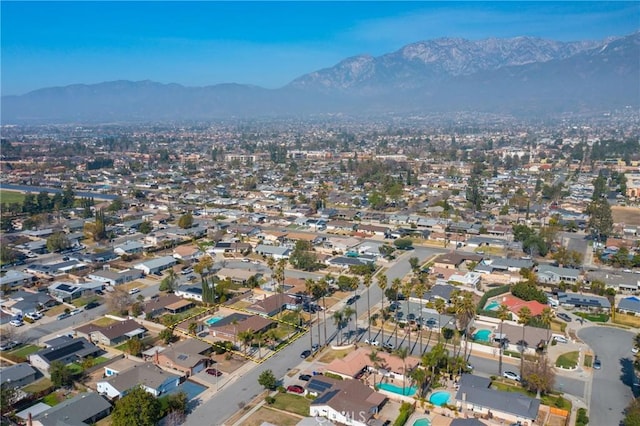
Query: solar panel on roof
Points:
[182, 357]
[326, 397]
[66, 287]
[318, 385]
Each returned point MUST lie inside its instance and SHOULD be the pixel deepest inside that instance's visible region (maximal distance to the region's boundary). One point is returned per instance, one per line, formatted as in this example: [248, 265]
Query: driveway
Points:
[612, 385]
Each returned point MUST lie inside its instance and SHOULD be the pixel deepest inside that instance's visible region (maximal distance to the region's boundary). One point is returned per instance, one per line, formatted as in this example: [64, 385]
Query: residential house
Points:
[277, 252]
[115, 278]
[82, 409]
[13, 279]
[187, 253]
[222, 247]
[112, 334]
[17, 375]
[584, 301]
[270, 305]
[64, 349]
[358, 361]
[629, 305]
[554, 274]
[474, 394]
[118, 366]
[170, 303]
[157, 265]
[129, 248]
[22, 302]
[454, 260]
[347, 402]
[66, 292]
[186, 356]
[516, 304]
[232, 325]
[148, 376]
[239, 276]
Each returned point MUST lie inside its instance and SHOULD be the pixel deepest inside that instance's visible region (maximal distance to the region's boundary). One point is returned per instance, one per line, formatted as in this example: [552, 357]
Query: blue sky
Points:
[263, 43]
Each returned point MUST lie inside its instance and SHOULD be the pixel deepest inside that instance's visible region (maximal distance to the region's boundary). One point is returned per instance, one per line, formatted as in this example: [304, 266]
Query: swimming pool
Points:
[213, 320]
[439, 398]
[192, 389]
[492, 306]
[422, 422]
[389, 387]
[482, 335]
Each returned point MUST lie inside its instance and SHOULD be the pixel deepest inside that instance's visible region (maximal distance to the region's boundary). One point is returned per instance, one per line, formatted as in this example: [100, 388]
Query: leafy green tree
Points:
[137, 408]
[60, 374]
[528, 291]
[169, 282]
[146, 227]
[186, 221]
[403, 243]
[166, 335]
[7, 396]
[303, 258]
[134, 346]
[268, 380]
[474, 194]
[538, 376]
[58, 241]
[600, 218]
[116, 205]
[377, 200]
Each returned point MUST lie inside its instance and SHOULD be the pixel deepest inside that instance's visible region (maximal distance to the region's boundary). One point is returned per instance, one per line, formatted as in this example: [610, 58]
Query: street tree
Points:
[538, 376]
[382, 284]
[600, 218]
[186, 221]
[268, 380]
[58, 241]
[137, 408]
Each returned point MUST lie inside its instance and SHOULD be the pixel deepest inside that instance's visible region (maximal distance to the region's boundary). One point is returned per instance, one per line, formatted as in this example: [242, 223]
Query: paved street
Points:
[612, 385]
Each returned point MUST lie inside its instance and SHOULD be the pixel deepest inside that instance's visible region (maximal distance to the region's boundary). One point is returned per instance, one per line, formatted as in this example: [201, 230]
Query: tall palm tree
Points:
[355, 283]
[403, 353]
[279, 277]
[322, 288]
[420, 289]
[309, 284]
[465, 311]
[246, 337]
[367, 280]
[349, 312]
[395, 286]
[441, 307]
[545, 318]
[382, 284]
[338, 320]
[524, 316]
[373, 357]
[503, 314]
[406, 290]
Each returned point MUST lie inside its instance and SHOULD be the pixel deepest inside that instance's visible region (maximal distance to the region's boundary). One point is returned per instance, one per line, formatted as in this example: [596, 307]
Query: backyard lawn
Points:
[593, 317]
[568, 360]
[21, 354]
[38, 386]
[552, 400]
[292, 403]
[104, 322]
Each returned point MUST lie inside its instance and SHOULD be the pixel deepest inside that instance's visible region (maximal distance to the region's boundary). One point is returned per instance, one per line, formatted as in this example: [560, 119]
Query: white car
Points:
[34, 315]
[16, 323]
[635, 350]
[76, 311]
[134, 290]
[511, 375]
[372, 342]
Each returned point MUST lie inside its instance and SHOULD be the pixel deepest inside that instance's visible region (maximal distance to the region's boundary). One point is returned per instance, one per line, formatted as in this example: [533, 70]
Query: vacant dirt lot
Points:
[626, 215]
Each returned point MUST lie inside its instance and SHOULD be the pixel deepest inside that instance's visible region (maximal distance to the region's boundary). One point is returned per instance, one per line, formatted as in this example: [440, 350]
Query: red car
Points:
[295, 389]
[214, 372]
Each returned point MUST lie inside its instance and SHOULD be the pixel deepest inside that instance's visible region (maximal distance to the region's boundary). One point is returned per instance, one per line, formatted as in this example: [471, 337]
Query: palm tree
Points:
[373, 357]
[367, 280]
[309, 284]
[322, 288]
[278, 275]
[349, 312]
[355, 283]
[503, 314]
[382, 284]
[403, 353]
[434, 359]
[406, 290]
[338, 320]
[545, 318]
[441, 307]
[419, 376]
[420, 288]
[524, 316]
[395, 286]
[466, 311]
[636, 340]
[193, 327]
[246, 337]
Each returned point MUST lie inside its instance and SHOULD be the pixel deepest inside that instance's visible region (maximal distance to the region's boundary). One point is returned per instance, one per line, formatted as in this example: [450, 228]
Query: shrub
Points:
[582, 418]
[406, 410]
[333, 376]
[270, 400]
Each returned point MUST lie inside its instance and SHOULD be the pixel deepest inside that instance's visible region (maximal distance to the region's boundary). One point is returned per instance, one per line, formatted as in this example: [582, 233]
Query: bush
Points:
[333, 376]
[406, 410]
[270, 400]
[582, 418]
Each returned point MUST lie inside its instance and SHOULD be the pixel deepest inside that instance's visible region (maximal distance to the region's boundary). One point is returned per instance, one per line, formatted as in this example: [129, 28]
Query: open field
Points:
[10, 196]
[626, 215]
[626, 319]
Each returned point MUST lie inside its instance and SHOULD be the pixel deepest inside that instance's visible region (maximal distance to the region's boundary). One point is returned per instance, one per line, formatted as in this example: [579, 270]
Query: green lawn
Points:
[568, 360]
[11, 197]
[552, 399]
[21, 354]
[38, 386]
[51, 399]
[588, 360]
[292, 403]
[594, 317]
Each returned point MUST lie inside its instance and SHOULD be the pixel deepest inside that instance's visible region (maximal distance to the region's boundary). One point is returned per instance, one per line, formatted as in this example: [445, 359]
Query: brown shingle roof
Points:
[111, 331]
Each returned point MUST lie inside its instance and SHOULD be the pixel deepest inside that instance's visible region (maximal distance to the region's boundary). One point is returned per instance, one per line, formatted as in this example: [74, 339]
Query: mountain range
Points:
[518, 76]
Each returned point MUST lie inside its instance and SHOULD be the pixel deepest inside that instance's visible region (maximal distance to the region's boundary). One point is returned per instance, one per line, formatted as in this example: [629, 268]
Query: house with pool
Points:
[474, 394]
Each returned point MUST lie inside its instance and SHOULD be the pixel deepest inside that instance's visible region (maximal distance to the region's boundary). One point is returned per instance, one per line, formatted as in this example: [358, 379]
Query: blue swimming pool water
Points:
[439, 398]
[389, 387]
[422, 422]
[492, 306]
[482, 336]
[213, 320]
[192, 389]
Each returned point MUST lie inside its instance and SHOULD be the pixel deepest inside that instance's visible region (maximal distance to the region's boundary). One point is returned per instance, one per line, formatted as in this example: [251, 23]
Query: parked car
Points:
[34, 315]
[63, 316]
[564, 316]
[295, 389]
[634, 350]
[134, 290]
[389, 345]
[5, 346]
[315, 347]
[214, 372]
[597, 365]
[304, 377]
[16, 322]
[75, 311]
[305, 354]
[511, 375]
[560, 339]
[91, 305]
[372, 342]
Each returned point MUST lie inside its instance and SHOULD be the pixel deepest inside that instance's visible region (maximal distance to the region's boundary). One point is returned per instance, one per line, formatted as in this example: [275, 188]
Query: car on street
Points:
[75, 311]
[511, 375]
[389, 345]
[295, 389]
[246, 260]
[91, 305]
[134, 290]
[304, 377]
[305, 354]
[214, 372]
[564, 316]
[255, 262]
[372, 342]
[315, 347]
[634, 350]
[34, 315]
[5, 346]
[597, 365]
[63, 316]
[16, 322]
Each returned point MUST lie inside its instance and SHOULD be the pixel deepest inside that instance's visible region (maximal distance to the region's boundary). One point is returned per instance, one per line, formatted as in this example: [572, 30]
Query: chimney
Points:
[156, 359]
[29, 420]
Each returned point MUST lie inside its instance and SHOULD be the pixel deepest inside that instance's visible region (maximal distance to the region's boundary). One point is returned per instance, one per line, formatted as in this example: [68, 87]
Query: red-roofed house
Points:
[515, 304]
